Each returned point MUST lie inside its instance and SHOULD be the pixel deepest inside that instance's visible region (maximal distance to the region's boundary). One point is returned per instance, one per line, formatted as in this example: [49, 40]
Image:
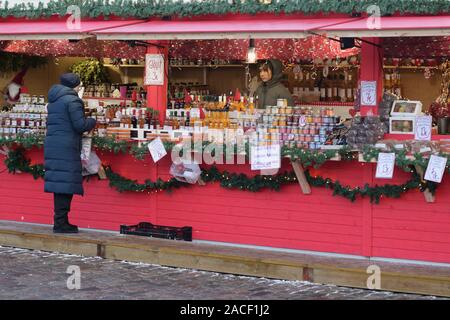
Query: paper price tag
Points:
[385, 165]
[435, 169]
[266, 157]
[422, 131]
[157, 149]
[369, 93]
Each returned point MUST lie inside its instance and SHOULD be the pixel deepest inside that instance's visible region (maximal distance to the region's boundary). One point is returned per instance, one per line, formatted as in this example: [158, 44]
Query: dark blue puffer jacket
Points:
[65, 126]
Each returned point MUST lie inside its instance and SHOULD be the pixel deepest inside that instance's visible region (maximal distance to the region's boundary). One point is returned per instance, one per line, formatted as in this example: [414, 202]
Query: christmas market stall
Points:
[358, 164]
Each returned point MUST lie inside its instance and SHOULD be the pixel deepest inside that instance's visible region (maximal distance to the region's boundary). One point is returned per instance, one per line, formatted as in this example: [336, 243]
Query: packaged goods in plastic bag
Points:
[92, 165]
[86, 145]
[186, 171]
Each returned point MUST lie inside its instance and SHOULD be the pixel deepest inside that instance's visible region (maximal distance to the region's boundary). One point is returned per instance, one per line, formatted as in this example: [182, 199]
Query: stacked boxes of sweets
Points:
[365, 131]
[28, 116]
[296, 126]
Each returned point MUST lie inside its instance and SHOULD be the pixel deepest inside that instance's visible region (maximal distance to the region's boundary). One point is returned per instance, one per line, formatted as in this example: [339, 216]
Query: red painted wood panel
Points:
[407, 228]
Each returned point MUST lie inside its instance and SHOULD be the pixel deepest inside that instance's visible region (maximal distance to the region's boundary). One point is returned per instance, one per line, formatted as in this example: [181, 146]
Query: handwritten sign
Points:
[266, 157]
[368, 93]
[302, 121]
[157, 149]
[435, 169]
[154, 69]
[385, 165]
[423, 128]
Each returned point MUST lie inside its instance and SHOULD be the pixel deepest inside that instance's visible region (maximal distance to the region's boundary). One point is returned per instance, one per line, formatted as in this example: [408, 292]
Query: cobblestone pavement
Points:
[28, 274]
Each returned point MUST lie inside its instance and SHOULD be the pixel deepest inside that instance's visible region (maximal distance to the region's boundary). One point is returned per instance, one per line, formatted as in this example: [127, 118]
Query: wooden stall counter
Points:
[406, 228]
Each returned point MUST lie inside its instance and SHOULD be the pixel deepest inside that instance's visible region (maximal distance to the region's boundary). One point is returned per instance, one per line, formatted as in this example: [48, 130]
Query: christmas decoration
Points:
[15, 87]
[91, 71]
[16, 161]
[151, 8]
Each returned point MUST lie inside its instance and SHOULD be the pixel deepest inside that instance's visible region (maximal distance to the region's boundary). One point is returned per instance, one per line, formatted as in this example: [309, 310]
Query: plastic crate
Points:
[150, 230]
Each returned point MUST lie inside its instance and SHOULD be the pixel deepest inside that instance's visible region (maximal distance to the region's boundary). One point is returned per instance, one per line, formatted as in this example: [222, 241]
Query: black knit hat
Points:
[70, 80]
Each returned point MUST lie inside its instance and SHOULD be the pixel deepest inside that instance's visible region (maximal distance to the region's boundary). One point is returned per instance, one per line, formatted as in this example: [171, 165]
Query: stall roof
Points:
[218, 29]
[401, 26]
[52, 30]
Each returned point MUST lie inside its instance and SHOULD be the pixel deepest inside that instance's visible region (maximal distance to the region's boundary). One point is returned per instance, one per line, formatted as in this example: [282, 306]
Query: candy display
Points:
[364, 131]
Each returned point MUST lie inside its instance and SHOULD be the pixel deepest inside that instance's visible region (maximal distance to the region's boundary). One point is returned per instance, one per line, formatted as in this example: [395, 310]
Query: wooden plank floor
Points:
[351, 272]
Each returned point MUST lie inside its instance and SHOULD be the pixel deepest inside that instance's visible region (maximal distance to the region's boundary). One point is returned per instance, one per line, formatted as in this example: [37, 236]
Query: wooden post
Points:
[201, 182]
[157, 94]
[429, 197]
[372, 69]
[300, 173]
[102, 173]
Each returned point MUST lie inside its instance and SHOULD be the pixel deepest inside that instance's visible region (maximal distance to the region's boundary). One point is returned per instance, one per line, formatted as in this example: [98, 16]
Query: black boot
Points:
[65, 228]
[62, 208]
[69, 224]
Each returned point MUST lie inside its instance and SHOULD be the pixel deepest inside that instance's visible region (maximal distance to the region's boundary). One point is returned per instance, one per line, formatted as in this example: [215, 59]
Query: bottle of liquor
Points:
[334, 86]
[323, 90]
[341, 88]
[134, 121]
[387, 82]
[251, 106]
[350, 96]
[329, 87]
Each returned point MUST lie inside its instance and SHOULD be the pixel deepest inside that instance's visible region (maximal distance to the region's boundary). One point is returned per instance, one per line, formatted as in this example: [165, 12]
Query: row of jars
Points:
[23, 123]
[293, 137]
[11, 132]
[296, 119]
[291, 144]
[308, 129]
[324, 111]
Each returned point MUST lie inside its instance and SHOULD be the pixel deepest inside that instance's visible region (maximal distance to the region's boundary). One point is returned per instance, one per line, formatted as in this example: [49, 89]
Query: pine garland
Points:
[16, 161]
[151, 8]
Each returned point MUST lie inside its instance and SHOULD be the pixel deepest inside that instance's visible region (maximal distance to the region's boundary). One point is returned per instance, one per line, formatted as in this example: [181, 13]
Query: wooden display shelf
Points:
[409, 67]
[125, 65]
[207, 66]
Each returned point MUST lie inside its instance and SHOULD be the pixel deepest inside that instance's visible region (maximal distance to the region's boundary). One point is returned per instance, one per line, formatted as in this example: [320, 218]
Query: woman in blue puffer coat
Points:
[62, 147]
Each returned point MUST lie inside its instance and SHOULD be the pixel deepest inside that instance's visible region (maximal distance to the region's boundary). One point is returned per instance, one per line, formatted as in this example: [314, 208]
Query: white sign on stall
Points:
[154, 69]
[385, 165]
[157, 150]
[266, 157]
[368, 93]
[435, 169]
[423, 128]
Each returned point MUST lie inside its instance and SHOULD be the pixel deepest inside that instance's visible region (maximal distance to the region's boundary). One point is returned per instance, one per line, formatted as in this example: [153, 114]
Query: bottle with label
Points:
[349, 94]
[251, 106]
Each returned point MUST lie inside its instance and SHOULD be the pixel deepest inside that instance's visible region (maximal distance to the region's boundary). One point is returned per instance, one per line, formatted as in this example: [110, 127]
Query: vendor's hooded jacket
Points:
[65, 126]
[268, 92]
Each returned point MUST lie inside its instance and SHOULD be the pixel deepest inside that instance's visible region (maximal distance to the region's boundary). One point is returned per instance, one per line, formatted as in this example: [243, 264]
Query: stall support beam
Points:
[301, 178]
[372, 69]
[429, 197]
[157, 94]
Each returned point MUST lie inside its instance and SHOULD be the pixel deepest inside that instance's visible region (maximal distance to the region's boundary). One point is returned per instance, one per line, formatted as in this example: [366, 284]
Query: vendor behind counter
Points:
[271, 88]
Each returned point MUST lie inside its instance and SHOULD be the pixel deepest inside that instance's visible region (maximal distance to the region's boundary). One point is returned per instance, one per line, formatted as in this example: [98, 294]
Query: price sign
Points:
[157, 149]
[154, 69]
[435, 169]
[385, 165]
[422, 131]
[266, 157]
[368, 93]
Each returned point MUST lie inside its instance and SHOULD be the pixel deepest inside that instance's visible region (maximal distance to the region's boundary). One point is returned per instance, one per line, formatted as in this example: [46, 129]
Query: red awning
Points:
[218, 29]
[45, 30]
[391, 27]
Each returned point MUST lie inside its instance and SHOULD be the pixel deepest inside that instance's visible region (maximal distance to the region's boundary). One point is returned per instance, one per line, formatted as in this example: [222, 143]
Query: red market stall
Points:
[415, 226]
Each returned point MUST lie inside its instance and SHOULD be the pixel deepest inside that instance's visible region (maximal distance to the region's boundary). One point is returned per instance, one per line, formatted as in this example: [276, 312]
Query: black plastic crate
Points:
[150, 230]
